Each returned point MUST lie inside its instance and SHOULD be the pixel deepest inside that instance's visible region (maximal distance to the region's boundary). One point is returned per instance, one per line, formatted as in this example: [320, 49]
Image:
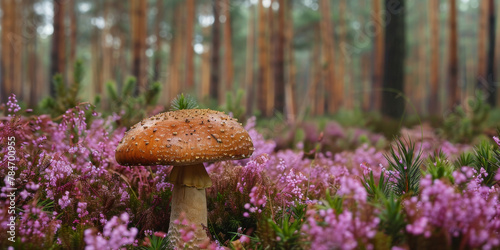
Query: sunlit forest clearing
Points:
[250, 124]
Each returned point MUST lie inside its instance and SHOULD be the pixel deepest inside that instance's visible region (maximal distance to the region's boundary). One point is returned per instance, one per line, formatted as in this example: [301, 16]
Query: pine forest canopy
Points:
[287, 56]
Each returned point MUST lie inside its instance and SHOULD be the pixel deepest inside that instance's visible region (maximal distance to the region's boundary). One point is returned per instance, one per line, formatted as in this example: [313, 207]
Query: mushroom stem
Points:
[190, 201]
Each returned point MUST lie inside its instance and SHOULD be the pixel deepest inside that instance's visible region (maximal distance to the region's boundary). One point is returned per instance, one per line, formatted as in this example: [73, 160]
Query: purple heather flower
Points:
[65, 200]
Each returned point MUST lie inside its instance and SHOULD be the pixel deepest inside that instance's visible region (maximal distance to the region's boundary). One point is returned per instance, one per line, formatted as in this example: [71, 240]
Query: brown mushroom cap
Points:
[184, 137]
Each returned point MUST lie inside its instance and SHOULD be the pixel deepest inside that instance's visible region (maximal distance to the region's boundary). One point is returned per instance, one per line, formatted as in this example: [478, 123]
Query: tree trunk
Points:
[176, 53]
[139, 34]
[189, 72]
[279, 60]
[72, 39]
[490, 69]
[315, 74]
[215, 60]
[453, 98]
[434, 103]
[58, 54]
[393, 105]
[378, 56]
[290, 100]
[160, 14]
[228, 51]
[349, 101]
[263, 80]
[249, 65]
[481, 41]
[334, 90]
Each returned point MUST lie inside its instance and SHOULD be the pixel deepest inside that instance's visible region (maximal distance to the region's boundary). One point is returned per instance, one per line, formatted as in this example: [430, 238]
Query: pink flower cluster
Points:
[114, 236]
[472, 215]
[327, 230]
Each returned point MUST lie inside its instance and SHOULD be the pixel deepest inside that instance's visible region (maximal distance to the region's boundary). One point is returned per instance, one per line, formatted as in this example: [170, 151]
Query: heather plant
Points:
[71, 193]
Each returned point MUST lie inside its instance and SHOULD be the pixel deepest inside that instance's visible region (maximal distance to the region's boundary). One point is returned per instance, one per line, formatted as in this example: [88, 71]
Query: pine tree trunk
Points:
[215, 56]
[334, 90]
[393, 105]
[490, 67]
[378, 56]
[481, 41]
[340, 74]
[190, 18]
[58, 54]
[290, 100]
[249, 65]
[17, 50]
[160, 14]
[176, 54]
[453, 98]
[434, 103]
[262, 81]
[72, 39]
[228, 52]
[279, 60]
[139, 33]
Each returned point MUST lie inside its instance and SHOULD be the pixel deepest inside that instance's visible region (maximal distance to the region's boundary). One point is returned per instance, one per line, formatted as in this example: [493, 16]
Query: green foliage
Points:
[467, 120]
[438, 166]
[406, 164]
[183, 102]
[157, 243]
[376, 191]
[487, 158]
[464, 159]
[236, 106]
[66, 95]
[132, 108]
[392, 217]
[287, 228]
[334, 203]
[71, 238]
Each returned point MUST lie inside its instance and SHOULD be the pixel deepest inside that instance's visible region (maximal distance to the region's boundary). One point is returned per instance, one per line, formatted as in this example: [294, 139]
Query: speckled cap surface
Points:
[184, 137]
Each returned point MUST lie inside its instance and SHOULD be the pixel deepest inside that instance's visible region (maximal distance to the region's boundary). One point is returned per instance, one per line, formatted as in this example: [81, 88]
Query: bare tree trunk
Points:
[490, 70]
[453, 98]
[481, 41]
[6, 82]
[279, 60]
[341, 59]
[393, 105]
[139, 33]
[176, 53]
[335, 91]
[205, 66]
[228, 52]
[315, 74]
[58, 54]
[263, 80]
[290, 108]
[434, 103]
[189, 72]
[378, 56]
[215, 56]
[72, 39]
[249, 66]
[160, 14]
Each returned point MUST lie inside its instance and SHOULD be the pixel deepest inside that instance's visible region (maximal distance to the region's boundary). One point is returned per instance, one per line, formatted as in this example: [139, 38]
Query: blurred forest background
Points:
[291, 57]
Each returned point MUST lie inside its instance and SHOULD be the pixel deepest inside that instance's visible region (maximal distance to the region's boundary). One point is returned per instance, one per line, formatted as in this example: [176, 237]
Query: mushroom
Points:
[186, 139]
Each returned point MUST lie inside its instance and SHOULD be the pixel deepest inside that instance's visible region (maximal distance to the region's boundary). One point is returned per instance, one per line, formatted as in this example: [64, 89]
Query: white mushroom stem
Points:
[191, 201]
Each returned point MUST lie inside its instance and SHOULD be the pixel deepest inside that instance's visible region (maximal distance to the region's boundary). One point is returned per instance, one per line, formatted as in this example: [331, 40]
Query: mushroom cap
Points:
[184, 137]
